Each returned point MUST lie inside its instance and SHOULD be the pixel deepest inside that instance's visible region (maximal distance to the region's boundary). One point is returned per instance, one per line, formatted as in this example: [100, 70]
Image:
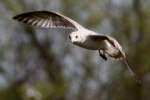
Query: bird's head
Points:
[75, 38]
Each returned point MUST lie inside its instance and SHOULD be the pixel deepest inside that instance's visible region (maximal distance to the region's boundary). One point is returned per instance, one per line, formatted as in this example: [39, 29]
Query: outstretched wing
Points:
[47, 19]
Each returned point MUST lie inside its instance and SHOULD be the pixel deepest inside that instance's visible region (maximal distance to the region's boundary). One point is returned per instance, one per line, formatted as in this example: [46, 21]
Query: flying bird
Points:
[80, 36]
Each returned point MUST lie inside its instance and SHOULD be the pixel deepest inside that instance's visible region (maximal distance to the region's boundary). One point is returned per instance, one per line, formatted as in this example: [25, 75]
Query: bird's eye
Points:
[76, 36]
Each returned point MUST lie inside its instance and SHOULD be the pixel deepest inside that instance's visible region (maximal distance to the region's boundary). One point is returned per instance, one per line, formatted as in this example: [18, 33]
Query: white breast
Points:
[92, 45]
[88, 43]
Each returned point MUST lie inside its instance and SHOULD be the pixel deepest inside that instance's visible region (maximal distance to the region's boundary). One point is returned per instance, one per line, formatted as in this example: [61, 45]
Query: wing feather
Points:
[47, 19]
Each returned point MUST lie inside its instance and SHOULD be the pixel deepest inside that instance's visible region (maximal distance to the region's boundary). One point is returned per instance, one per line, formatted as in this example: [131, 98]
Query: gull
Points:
[106, 46]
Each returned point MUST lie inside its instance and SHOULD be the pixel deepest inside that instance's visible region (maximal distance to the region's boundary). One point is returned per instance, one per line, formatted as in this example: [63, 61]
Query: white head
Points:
[76, 38]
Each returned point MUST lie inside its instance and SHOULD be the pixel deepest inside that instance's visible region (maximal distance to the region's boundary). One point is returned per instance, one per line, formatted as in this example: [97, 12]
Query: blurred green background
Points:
[41, 64]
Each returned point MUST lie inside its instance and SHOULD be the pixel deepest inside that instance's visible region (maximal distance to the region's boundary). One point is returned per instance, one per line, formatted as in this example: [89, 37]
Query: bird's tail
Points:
[131, 71]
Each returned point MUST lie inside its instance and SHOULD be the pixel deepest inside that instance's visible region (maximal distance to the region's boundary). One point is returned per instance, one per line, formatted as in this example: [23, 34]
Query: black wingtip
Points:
[18, 17]
[14, 17]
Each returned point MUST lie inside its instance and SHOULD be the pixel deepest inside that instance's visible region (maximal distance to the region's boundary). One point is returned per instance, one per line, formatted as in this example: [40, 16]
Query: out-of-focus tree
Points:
[41, 64]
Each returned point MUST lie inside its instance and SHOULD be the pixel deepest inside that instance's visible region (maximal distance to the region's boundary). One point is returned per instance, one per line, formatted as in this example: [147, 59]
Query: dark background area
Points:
[42, 64]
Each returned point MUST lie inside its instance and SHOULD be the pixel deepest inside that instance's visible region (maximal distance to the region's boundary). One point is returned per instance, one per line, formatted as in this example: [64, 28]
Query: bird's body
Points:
[86, 41]
[80, 36]
[90, 40]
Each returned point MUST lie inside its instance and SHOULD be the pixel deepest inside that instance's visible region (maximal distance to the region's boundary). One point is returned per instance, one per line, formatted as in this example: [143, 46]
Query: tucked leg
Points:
[102, 54]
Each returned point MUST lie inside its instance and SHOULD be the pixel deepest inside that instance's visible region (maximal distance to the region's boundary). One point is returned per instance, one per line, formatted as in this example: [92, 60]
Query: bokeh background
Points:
[41, 64]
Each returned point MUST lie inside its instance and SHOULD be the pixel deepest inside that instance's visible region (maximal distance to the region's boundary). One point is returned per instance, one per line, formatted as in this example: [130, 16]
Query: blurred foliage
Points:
[40, 64]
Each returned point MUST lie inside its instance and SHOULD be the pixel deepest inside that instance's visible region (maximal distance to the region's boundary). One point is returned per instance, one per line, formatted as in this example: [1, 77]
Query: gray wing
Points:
[47, 19]
[101, 38]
